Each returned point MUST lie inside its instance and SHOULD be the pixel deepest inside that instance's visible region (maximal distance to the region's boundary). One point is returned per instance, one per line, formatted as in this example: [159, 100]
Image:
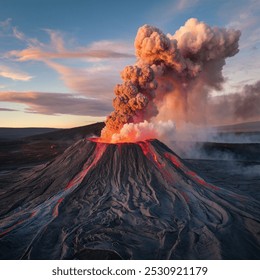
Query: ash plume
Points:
[172, 76]
[247, 102]
[239, 106]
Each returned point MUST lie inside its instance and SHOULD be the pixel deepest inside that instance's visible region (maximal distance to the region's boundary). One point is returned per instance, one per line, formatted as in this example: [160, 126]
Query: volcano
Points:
[126, 201]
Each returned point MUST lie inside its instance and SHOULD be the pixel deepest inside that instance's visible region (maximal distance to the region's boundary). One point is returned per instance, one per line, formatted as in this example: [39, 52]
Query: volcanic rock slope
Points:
[134, 200]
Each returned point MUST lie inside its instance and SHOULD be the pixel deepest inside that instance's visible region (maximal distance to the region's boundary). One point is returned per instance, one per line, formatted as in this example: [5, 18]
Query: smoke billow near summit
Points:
[125, 194]
[170, 81]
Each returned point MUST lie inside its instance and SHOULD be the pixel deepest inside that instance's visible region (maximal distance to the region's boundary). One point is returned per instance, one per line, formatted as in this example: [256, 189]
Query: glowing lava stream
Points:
[51, 206]
[151, 154]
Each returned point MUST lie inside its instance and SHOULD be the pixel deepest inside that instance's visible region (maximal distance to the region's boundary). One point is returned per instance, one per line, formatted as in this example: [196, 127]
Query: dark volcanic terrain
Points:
[89, 200]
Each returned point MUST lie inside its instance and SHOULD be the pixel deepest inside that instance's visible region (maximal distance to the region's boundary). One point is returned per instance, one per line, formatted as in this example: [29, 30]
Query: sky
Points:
[60, 60]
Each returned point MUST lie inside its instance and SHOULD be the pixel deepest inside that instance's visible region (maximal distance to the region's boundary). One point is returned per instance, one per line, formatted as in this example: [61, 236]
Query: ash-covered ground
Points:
[231, 166]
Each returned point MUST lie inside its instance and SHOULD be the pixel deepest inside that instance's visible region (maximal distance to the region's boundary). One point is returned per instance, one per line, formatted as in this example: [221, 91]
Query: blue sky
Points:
[59, 60]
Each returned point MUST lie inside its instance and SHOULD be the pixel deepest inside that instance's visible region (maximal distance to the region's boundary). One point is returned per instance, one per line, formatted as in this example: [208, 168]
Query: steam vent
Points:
[125, 201]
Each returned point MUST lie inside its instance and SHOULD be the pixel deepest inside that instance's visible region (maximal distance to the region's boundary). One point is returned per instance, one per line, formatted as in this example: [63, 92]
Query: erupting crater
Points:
[106, 141]
[136, 200]
[128, 140]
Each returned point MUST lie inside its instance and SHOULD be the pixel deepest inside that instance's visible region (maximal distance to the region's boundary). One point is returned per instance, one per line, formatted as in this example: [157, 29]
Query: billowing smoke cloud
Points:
[132, 99]
[172, 76]
[237, 106]
[247, 103]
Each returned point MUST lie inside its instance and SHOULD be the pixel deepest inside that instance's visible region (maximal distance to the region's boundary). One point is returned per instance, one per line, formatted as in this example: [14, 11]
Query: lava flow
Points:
[136, 200]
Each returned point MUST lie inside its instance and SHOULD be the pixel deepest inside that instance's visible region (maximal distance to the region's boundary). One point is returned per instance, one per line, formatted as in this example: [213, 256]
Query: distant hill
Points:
[7, 133]
[240, 127]
[40, 148]
[70, 134]
[33, 133]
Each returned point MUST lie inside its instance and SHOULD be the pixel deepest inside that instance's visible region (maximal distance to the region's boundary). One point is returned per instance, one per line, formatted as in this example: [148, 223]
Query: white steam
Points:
[144, 130]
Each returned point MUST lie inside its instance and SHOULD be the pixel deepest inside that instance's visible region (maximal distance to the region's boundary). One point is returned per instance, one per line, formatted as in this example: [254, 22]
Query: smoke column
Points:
[171, 78]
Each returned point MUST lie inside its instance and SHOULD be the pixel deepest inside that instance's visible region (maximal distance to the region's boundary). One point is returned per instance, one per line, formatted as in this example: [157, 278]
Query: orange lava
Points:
[174, 160]
[195, 177]
[107, 141]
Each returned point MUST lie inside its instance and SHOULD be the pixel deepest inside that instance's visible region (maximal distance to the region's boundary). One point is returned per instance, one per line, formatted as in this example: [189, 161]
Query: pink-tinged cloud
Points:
[96, 81]
[38, 54]
[56, 49]
[57, 103]
[15, 75]
[8, 110]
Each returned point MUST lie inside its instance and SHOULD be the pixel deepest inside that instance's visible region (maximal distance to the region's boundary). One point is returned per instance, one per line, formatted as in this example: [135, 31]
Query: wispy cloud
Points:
[8, 110]
[5, 23]
[245, 17]
[15, 75]
[57, 103]
[103, 60]
[168, 10]
[38, 54]
[5, 27]
[182, 5]
[56, 49]
[93, 81]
